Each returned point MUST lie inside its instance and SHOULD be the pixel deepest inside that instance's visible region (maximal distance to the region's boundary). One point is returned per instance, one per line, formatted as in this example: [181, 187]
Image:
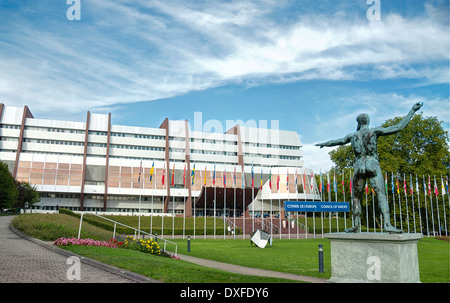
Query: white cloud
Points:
[161, 49]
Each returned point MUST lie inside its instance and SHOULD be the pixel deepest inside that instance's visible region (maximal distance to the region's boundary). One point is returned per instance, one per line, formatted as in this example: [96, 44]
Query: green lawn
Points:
[292, 256]
[166, 269]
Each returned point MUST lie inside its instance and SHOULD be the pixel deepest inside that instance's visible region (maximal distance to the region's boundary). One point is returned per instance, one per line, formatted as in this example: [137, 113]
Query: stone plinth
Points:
[374, 257]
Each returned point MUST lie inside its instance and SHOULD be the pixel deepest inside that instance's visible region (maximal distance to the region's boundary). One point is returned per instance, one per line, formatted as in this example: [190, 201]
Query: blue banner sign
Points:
[311, 206]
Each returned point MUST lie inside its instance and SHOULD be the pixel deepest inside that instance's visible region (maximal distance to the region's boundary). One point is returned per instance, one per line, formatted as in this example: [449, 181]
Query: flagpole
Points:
[234, 205]
[184, 200]
[321, 199]
[243, 202]
[343, 197]
[253, 200]
[192, 183]
[224, 201]
[418, 204]
[443, 204]
[431, 203]
[204, 184]
[437, 205]
[426, 207]
[262, 202]
[140, 171]
[329, 199]
[214, 183]
[271, 206]
[289, 213]
[313, 199]
[296, 198]
[399, 205]
[304, 194]
[279, 200]
[412, 201]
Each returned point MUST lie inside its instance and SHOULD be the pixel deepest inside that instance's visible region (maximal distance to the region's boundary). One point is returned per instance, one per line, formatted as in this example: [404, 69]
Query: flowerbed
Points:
[86, 242]
[147, 246]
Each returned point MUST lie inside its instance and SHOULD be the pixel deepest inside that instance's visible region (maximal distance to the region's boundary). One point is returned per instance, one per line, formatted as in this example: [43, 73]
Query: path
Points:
[27, 260]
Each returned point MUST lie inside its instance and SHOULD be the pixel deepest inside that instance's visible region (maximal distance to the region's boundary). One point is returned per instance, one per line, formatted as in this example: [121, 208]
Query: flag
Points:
[417, 186]
[140, 171]
[304, 182]
[398, 186]
[321, 183]
[392, 182]
[328, 182]
[435, 187]
[351, 185]
[429, 186]
[184, 175]
[404, 183]
[312, 182]
[252, 176]
[385, 183]
[287, 180]
[204, 180]
[367, 188]
[193, 175]
[270, 179]
[410, 185]
[243, 178]
[261, 179]
[424, 186]
[446, 184]
[151, 171]
[214, 175]
[163, 174]
[296, 184]
[443, 189]
[224, 179]
[343, 186]
[334, 183]
[234, 177]
[173, 175]
[278, 181]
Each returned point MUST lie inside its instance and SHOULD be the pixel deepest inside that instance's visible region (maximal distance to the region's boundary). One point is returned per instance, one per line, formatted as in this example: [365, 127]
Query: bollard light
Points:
[189, 244]
[321, 258]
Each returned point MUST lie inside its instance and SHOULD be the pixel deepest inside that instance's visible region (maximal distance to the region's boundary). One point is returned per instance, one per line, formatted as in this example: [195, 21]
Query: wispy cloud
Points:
[123, 52]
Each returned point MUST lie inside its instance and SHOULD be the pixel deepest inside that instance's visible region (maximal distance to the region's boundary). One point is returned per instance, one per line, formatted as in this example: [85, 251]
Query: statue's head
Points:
[362, 119]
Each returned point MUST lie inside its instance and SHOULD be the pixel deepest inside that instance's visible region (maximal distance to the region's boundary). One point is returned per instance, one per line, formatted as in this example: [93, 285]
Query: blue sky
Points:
[313, 65]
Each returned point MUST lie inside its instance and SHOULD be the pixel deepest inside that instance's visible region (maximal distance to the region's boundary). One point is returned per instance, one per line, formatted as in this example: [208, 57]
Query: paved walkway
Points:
[242, 270]
[27, 260]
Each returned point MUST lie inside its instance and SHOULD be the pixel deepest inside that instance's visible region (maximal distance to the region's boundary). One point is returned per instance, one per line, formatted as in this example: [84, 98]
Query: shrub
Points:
[149, 246]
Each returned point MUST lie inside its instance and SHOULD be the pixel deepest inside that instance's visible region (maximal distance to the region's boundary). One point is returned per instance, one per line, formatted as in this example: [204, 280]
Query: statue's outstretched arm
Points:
[383, 131]
[335, 142]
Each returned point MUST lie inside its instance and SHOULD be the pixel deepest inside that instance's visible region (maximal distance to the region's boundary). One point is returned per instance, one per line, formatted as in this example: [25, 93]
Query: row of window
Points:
[55, 130]
[59, 142]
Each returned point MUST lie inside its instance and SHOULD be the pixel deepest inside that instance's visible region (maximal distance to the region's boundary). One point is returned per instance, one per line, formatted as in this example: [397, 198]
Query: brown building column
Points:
[165, 125]
[188, 173]
[105, 197]
[83, 176]
[26, 114]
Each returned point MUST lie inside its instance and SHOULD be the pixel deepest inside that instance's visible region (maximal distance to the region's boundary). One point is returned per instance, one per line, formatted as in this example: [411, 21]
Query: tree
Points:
[28, 195]
[8, 190]
[421, 148]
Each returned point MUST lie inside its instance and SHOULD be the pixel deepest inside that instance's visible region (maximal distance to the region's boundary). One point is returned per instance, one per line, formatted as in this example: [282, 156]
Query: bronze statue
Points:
[364, 144]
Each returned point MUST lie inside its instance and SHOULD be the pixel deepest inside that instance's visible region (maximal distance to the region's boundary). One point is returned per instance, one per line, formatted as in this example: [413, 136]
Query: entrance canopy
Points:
[230, 198]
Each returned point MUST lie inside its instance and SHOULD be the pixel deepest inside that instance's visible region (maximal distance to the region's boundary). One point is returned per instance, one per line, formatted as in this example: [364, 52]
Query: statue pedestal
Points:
[374, 257]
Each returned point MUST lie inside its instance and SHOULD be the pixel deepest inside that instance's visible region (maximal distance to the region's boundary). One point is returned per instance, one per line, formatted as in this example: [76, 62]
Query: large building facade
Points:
[173, 169]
